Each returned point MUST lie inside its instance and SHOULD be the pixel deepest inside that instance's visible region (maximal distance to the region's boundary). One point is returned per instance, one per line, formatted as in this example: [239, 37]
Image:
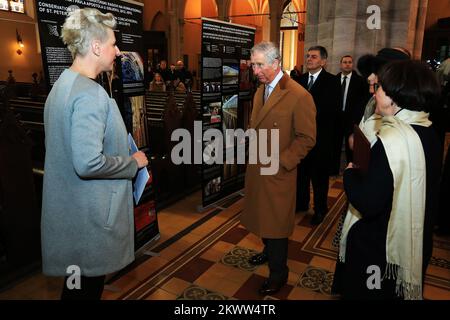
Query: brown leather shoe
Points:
[258, 259]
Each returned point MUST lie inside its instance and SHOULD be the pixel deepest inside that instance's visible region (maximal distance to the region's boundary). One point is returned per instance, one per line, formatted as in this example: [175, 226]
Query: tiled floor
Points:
[208, 260]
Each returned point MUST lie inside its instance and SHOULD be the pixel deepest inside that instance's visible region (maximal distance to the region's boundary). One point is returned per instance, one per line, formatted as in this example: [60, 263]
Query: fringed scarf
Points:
[371, 122]
[405, 228]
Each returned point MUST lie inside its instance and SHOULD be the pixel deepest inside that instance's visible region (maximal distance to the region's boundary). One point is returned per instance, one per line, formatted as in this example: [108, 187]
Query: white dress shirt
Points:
[273, 84]
[315, 75]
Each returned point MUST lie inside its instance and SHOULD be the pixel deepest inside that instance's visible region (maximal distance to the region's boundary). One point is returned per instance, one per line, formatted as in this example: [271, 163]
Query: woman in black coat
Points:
[386, 241]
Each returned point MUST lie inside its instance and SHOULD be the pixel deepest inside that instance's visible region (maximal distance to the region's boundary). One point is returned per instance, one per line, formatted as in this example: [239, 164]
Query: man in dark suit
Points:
[163, 71]
[354, 100]
[325, 90]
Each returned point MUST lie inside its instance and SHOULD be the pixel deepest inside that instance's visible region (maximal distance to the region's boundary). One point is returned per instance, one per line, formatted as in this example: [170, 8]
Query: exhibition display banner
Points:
[226, 100]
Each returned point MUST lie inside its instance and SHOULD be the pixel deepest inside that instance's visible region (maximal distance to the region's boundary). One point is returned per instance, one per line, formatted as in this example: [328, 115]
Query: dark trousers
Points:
[312, 170]
[342, 133]
[348, 151]
[337, 144]
[91, 289]
[443, 218]
[276, 251]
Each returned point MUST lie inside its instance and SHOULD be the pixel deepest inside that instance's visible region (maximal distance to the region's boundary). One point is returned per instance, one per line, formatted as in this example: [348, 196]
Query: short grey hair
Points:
[322, 50]
[84, 25]
[269, 49]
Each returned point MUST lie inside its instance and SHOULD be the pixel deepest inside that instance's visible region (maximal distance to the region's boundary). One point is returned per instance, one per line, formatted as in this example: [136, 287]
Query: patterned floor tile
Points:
[198, 293]
[442, 263]
[238, 257]
[316, 279]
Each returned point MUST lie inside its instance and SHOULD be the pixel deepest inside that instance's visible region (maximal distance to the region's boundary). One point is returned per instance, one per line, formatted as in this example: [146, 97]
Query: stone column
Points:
[173, 36]
[344, 33]
[320, 21]
[417, 27]
[223, 7]
[275, 20]
[341, 27]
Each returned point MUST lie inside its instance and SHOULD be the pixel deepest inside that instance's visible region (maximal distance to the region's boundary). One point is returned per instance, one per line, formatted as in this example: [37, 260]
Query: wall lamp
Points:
[19, 43]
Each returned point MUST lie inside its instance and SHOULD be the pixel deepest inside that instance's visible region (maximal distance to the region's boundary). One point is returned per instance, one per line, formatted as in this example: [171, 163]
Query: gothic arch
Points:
[158, 22]
[226, 7]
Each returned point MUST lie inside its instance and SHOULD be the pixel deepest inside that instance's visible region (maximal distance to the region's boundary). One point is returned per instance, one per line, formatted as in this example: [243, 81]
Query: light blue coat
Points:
[87, 205]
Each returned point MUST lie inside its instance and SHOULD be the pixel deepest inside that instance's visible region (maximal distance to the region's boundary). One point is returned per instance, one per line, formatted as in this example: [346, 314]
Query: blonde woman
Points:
[87, 209]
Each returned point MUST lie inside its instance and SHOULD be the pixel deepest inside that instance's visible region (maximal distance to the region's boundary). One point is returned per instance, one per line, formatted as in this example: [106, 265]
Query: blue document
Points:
[142, 175]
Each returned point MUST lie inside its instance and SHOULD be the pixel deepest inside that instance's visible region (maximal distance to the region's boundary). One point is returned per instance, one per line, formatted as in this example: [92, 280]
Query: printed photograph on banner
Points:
[144, 215]
[212, 62]
[132, 67]
[230, 74]
[212, 86]
[137, 105]
[212, 112]
[212, 74]
[229, 112]
[212, 187]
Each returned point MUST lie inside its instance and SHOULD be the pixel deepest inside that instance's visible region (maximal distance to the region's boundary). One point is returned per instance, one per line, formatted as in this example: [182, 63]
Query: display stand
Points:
[216, 205]
[226, 98]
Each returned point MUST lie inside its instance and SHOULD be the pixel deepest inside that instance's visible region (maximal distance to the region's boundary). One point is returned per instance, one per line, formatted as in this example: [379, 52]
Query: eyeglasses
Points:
[375, 86]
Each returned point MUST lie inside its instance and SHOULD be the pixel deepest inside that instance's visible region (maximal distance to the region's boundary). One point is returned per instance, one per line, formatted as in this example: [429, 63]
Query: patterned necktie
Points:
[344, 84]
[311, 82]
[266, 93]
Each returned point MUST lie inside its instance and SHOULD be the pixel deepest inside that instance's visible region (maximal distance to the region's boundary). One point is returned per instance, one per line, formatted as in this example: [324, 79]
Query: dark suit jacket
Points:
[326, 93]
[357, 97]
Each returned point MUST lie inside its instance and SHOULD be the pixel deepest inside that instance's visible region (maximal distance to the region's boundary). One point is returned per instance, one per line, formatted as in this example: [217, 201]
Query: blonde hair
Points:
[84, 25]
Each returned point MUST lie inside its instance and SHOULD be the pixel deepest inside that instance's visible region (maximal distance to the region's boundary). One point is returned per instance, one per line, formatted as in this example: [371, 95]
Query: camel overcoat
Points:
[269, 203]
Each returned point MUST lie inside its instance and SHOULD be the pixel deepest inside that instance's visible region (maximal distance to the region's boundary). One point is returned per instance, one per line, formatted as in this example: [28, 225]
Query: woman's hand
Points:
[141, 159]
[350, 166]
[350, 141]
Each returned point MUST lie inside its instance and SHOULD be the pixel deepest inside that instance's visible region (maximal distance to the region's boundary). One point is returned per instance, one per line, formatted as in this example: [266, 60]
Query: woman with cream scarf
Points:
[386, 240]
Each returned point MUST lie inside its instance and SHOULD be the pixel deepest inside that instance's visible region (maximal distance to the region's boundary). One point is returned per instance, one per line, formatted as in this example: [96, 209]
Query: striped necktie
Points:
[266, 93]
[311, 82]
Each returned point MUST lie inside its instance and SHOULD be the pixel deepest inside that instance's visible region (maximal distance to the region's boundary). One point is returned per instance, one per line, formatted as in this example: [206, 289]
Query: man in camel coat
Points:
[269, 205]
